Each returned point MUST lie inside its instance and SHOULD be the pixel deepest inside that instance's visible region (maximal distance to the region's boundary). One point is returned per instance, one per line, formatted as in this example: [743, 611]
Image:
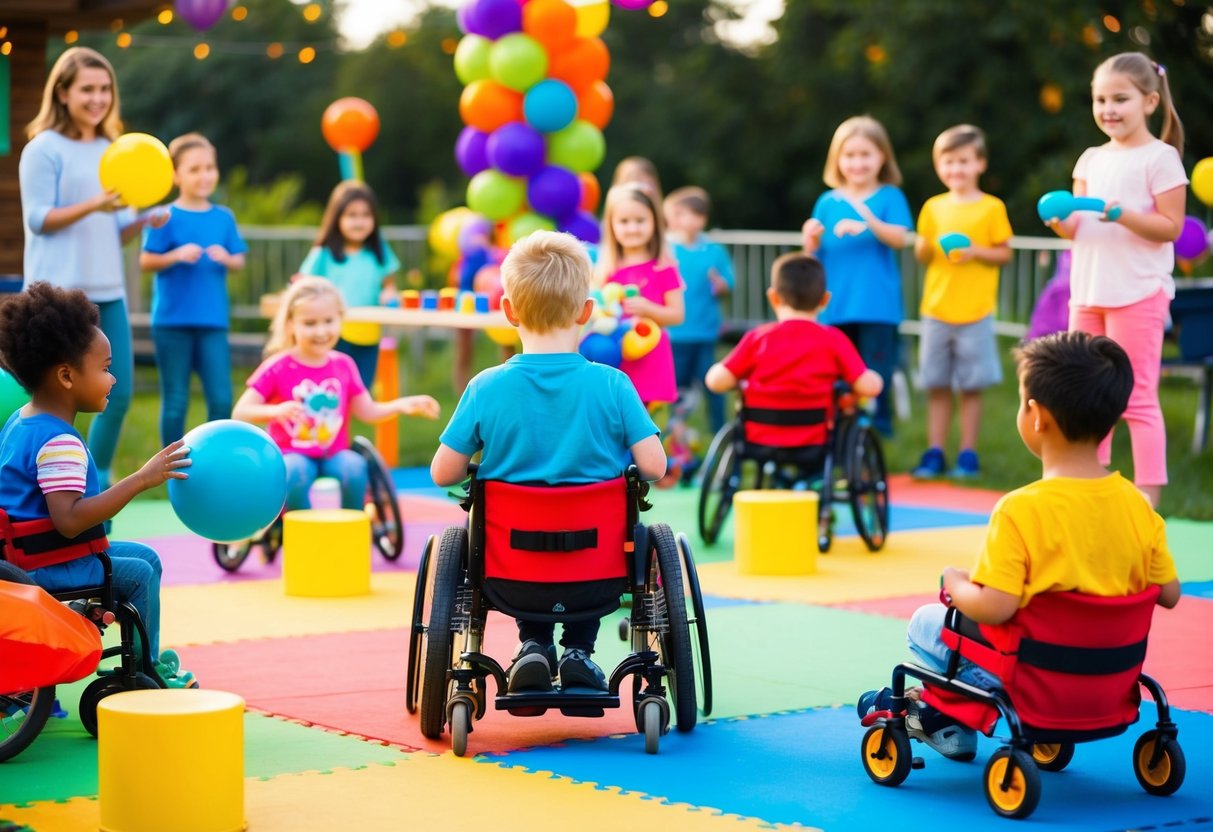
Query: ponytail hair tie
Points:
[1161, 70]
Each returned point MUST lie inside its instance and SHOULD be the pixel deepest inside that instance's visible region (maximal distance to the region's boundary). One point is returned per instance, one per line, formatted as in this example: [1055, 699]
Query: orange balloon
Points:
[591, 192]
[551, 22]
[596, 104]
[487, 105]
[583, 63]
[349, 124]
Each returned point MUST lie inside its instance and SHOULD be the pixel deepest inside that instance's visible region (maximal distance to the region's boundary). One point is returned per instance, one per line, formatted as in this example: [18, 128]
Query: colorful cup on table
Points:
[446, 299]
[429, 300]
[410, 299]
[482, 302]
[953, 243]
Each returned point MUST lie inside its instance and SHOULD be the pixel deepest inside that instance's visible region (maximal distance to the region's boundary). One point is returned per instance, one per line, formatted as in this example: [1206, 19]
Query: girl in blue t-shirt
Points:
[351, 253]
[855, 231]
[192, 256]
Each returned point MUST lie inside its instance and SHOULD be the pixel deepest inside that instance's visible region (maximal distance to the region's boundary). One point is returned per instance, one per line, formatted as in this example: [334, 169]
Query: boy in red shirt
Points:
[794, 362]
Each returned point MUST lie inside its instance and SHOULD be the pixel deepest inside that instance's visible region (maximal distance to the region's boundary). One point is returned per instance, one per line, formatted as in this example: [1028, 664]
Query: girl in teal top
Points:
[351, 253]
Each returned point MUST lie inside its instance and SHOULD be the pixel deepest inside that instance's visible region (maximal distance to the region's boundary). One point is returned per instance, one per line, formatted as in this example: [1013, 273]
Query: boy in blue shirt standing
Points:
[549, 415]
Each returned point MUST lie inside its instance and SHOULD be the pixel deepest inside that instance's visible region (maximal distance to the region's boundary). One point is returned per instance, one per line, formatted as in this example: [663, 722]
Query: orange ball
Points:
[349, 124]
[583, 63]
[551, 22]
[487, 105]
[591, 192]
[596, 104]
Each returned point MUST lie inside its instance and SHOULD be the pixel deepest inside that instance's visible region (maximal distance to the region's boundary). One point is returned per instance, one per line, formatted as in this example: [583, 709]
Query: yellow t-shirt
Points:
[1095, 536]
[962, 293]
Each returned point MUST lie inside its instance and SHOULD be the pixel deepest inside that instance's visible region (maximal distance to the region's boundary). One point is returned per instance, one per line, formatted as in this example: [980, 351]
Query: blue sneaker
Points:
[967, 466]
[874, 700]
[932, 465]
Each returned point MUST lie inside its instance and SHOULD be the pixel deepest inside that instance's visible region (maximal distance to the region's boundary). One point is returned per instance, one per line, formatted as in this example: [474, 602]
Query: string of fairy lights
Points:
[203, 47]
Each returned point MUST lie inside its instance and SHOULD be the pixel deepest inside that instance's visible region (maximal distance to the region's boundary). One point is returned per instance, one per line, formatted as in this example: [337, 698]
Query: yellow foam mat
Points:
[909, 564]
[209, 613]
[420, 793]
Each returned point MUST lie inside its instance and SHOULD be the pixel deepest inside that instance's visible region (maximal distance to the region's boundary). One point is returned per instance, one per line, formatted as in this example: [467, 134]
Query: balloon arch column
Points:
[535, 102]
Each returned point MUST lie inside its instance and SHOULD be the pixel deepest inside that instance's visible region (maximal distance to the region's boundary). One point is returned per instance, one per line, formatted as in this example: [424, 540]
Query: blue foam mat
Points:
[804, 767]
[1200, 589]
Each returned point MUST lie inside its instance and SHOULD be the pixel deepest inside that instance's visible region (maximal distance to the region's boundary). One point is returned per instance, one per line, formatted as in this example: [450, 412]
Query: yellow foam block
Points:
[775, 532]
[423, 792]
[171, 757]
[910, 564]
[326, 553]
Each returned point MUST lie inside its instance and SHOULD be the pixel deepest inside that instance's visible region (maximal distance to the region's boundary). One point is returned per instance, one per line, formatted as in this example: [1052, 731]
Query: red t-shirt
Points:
[792, 365]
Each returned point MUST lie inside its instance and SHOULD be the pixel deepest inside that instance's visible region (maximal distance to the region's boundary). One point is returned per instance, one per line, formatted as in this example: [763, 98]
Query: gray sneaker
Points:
[531, 670]
[952, 740]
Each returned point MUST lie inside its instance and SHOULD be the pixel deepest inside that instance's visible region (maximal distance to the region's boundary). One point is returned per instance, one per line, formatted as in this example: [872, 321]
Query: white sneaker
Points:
[954, 741]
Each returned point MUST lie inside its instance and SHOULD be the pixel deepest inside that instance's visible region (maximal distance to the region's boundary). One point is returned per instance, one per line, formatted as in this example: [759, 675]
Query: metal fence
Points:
[275, 253]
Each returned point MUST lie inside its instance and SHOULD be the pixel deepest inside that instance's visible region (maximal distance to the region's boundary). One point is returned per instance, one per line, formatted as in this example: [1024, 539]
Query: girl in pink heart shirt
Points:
[305, 392]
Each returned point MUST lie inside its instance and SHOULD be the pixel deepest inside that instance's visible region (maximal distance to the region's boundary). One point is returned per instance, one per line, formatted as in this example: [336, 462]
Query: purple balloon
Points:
[473, 229]
[471, 151]
[554, 191]
[516, 149]
[1193, 239]
[465, 17]
[583, 226]
[633, 4]
[497, 17]
[201, 14]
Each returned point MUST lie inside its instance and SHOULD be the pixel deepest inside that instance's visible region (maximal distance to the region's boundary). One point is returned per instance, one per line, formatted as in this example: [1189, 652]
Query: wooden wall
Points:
[27, 72]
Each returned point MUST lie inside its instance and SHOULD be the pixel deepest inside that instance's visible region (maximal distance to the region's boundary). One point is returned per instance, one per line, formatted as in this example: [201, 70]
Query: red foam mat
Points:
[355, 683]
[905, 490]
[1179, 655]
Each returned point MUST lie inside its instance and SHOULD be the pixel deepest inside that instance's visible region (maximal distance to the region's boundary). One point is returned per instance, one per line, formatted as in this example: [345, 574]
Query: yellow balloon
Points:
[139, 168]
[444, 230]
[506, 336]
[592, 18]
[1202, 181]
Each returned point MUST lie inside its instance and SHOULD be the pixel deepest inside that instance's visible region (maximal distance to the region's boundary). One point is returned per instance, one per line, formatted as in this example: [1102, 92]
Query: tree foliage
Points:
[752, 125]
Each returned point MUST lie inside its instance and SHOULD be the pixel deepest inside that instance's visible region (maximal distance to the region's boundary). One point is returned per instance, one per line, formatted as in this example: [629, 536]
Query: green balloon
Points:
[495, 195]
[524, 225]
[12, 396]
[578, 147]
[518, 62]
[472, 58]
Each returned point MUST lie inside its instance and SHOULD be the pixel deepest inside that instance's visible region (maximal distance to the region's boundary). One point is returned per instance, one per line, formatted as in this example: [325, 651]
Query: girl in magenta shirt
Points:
[306, 392]
[633, 253]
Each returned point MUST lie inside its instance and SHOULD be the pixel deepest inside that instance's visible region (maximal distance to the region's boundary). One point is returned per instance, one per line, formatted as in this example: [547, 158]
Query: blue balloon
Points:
[602, 349]
[549, 106]
[236, 485]
[554, 191]
[583, 226]
[516, 149]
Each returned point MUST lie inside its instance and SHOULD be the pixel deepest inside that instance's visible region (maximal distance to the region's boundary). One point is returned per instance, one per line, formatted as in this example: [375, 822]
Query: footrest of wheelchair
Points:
[578, 702]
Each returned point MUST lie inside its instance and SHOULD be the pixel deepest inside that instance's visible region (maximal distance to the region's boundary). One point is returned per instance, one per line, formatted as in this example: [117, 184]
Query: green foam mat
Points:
[1189, 542]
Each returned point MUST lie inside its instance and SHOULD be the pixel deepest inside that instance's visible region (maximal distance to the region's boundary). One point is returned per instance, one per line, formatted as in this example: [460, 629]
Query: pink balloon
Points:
[1193, 239]
[202, 14]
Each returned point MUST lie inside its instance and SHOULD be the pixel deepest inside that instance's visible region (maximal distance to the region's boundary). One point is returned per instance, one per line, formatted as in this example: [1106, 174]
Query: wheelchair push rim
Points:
[715, 489]
[420, 619]
[673, 642]
[439, 649]
[697, 624]
[867, 479]
[387, 521]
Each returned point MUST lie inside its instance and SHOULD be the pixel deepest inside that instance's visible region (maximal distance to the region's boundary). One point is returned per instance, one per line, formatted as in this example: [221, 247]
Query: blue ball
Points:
[549, 106]
[236, 485]
[602, 349]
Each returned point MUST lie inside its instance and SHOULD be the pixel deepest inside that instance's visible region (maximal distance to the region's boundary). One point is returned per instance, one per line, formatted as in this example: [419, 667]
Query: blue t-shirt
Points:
[193, 294]
[551, 418]
[22, 497]
[862, 273]
[359, 277]
[695, 261]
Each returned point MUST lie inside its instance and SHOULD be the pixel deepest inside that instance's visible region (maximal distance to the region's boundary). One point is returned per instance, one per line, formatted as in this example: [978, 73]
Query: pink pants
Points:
[1138, 328]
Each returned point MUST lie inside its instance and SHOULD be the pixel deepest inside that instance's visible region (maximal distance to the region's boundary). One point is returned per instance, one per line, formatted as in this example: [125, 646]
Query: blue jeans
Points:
[347, 467]
[692, 360]
[366, 359]
[181, 351]
[136, 579]
[879, 346]
[103, 432]
[925, 639]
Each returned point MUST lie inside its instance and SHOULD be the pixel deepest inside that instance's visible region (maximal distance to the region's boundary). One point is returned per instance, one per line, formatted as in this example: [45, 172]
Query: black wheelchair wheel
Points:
[673, 636]
[698, 623]
[105, 686]
[1167, 775]
[231, 556]
[23, 713]
[868, 487]
[1019, 797]
[721, 471]
[421, 612]
[387, 522]
[440, 593]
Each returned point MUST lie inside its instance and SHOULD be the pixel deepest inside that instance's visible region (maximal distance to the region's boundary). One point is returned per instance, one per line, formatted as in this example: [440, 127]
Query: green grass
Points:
[1005, 462]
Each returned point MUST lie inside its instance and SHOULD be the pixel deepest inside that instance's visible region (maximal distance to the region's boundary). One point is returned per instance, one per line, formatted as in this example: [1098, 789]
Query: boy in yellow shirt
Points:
[958, 349]
[1078, 528]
